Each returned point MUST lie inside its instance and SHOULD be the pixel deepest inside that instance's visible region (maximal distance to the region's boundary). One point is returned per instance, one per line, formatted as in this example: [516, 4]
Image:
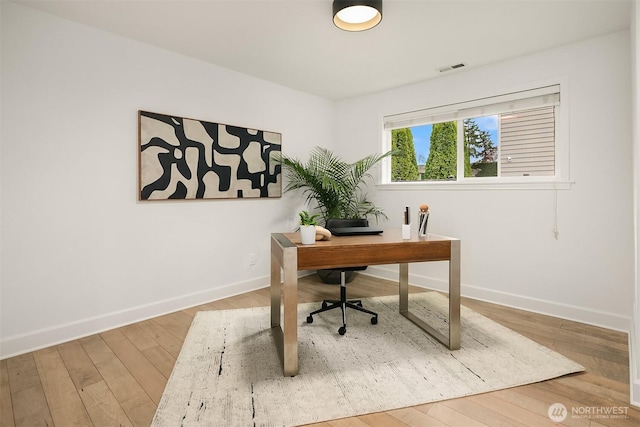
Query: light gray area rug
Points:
[229, 374]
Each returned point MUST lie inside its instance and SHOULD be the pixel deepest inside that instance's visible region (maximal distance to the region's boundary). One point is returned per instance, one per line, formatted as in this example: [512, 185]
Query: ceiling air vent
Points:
[451, 67]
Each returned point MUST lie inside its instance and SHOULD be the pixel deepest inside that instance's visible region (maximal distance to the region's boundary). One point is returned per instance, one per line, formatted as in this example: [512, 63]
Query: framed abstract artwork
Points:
[182, 158]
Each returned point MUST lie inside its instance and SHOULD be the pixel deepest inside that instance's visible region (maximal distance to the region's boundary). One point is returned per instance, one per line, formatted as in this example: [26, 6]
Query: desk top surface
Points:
[387, 237]
[386, 248]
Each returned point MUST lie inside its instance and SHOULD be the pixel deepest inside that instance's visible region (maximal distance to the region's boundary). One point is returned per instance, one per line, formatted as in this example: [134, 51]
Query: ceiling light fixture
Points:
[357, 15]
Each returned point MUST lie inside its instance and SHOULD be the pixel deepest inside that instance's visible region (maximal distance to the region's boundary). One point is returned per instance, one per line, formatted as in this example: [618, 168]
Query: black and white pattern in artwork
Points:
[193, 159]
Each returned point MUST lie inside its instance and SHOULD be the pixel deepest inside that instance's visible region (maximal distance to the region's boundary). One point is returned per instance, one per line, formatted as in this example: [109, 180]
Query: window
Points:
[501, 139]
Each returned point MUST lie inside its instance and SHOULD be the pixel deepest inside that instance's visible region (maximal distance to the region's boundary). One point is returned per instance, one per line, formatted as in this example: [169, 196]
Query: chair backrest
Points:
[344, 223]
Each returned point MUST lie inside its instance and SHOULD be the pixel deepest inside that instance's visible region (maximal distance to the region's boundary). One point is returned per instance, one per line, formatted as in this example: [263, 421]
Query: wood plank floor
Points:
[116, 378]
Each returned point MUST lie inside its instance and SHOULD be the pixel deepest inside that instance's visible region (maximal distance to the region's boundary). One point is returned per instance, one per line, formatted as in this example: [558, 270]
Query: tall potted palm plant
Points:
[337, 187]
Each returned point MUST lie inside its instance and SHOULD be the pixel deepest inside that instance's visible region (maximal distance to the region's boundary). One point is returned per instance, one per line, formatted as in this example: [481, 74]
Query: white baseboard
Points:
[550, 308]
[635, 393]
[46, 337]
[634, 375]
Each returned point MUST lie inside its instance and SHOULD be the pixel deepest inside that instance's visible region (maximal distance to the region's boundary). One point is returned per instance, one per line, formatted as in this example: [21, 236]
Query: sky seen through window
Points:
[422, 136]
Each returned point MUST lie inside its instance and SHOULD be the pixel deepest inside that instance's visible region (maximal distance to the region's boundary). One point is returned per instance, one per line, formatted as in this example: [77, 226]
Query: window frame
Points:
[559, 181]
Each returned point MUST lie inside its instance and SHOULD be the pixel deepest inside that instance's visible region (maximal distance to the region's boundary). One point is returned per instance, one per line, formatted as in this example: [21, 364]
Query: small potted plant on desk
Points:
[308, 227]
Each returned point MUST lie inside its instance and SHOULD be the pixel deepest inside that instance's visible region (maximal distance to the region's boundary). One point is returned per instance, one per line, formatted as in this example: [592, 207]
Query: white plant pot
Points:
[308, 234]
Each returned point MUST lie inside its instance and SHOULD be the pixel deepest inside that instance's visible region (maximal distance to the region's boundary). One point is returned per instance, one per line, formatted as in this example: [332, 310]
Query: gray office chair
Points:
[343, 303]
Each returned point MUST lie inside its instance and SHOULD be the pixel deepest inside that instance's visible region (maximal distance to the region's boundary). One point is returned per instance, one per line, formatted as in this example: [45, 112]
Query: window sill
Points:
[503, 184]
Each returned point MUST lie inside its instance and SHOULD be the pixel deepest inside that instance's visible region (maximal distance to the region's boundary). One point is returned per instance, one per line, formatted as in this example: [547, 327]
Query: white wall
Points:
[79, 253]
[634, 335]
[509, 253]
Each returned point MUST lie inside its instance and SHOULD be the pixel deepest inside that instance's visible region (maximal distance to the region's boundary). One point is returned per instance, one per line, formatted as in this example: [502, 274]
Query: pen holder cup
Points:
[423, 219]
[406, 231]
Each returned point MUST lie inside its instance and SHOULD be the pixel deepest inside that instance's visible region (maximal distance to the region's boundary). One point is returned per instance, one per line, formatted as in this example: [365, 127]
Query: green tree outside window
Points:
[404, 166]
[442, 163]
[479, 147]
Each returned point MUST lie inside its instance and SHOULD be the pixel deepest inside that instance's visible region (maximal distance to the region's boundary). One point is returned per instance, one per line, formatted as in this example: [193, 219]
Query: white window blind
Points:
[515, 101]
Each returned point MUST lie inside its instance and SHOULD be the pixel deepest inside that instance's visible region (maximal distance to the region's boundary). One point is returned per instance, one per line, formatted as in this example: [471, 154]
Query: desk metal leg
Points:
[285, 293]
[276, 290]
[404, 288]
[453, 340]
[290, 297]
[454, 296]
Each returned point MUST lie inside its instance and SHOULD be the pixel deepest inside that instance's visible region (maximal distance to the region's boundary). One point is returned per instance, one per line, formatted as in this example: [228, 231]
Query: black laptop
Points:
[351, 227]
[354, 231]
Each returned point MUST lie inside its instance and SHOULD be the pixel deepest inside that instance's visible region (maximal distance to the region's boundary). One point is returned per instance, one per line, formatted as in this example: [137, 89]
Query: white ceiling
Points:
[294, 42]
